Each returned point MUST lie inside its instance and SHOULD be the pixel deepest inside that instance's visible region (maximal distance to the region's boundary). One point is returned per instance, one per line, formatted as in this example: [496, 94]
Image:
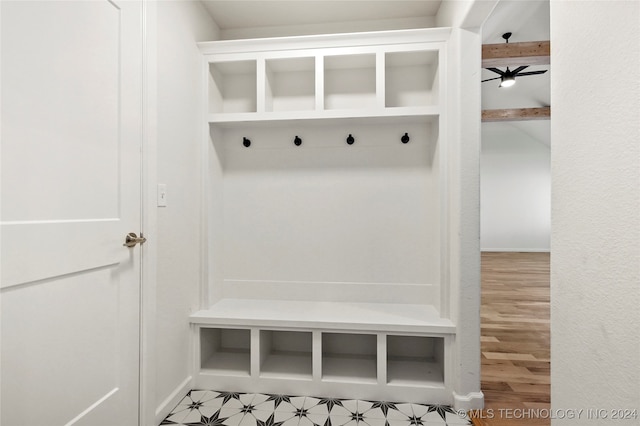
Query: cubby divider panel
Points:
[415, 360]
[226, 351]
[349, 357]
[286, 354]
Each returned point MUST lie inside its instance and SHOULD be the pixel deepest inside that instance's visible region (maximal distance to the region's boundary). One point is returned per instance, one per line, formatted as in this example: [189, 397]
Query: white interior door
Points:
[71, 140]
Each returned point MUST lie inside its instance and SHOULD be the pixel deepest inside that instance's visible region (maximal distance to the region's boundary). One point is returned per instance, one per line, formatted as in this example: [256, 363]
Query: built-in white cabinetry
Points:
[327, 238]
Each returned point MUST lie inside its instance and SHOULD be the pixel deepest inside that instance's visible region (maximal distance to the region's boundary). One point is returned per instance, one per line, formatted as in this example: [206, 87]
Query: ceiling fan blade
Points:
[496, 70]
[517, 70]
[497, 78]
[531, 73]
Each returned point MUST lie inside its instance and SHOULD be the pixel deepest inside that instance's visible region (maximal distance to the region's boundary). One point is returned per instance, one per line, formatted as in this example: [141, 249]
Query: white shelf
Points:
[327, 117]
[287, 366]
[415, 360]
[325, 315]
[349, 369]
[228, 363]
[323, 83]
[406, 372]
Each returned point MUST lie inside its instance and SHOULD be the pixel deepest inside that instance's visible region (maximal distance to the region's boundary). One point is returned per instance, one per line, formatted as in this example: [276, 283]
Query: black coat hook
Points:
[246, 142]
[297, 141]
[350, 139]
[405, 138]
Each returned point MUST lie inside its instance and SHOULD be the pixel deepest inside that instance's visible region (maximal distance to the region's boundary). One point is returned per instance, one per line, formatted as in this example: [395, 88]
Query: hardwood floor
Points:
[515, 340]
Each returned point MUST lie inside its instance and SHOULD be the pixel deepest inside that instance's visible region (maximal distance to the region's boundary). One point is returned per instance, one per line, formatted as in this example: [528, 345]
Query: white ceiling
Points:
[272, 13]
[528, 20]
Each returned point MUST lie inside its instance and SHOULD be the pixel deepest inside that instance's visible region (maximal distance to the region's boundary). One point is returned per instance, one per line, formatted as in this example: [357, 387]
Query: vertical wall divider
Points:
[196, 357]
[205, 211]
[444, 164]
[257, 352]
[382, 358]
[449, 361]
[319, 82]
[445, 271]
[316, 355]
[261, 84]
[380, 80]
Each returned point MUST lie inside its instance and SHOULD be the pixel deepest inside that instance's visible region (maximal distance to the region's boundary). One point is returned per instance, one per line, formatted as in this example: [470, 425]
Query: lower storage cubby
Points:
[341, 360]
[225, 351]
[286, 354]
[349, 357]
[415, 360]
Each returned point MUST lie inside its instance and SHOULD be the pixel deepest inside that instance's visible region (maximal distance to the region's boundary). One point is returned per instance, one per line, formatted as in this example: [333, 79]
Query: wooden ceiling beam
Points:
[516, 114]
[513, 54]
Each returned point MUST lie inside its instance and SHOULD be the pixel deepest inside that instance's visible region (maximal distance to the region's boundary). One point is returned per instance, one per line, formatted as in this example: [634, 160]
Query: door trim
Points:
[149, 224]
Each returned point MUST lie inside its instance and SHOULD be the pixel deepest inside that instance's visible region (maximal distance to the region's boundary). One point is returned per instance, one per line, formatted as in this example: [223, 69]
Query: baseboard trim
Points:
[516, 250]
[173, 399]
[470, 401]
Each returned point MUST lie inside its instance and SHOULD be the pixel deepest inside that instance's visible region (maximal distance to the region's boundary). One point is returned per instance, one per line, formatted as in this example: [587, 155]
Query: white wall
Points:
[327, 213]
[595, 166]
[180, 24]
[515, 188]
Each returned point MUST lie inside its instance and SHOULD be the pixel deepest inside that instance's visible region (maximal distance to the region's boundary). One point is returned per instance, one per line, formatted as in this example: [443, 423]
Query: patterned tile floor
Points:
[211, 408]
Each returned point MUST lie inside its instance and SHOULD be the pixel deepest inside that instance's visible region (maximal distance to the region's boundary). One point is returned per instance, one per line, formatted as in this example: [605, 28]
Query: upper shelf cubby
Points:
[350, 81]
[290, 84]
[232, 86]
[411, 78]
[383, 74]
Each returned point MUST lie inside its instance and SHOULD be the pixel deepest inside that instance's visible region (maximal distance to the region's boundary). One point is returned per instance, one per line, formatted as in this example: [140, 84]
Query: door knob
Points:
[131, 240]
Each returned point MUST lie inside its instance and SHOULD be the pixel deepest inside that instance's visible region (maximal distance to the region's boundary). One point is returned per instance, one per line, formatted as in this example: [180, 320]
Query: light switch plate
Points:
[162, 195]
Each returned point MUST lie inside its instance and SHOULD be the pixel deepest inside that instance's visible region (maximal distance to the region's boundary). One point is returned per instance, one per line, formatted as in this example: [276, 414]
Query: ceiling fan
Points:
[508, 77]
